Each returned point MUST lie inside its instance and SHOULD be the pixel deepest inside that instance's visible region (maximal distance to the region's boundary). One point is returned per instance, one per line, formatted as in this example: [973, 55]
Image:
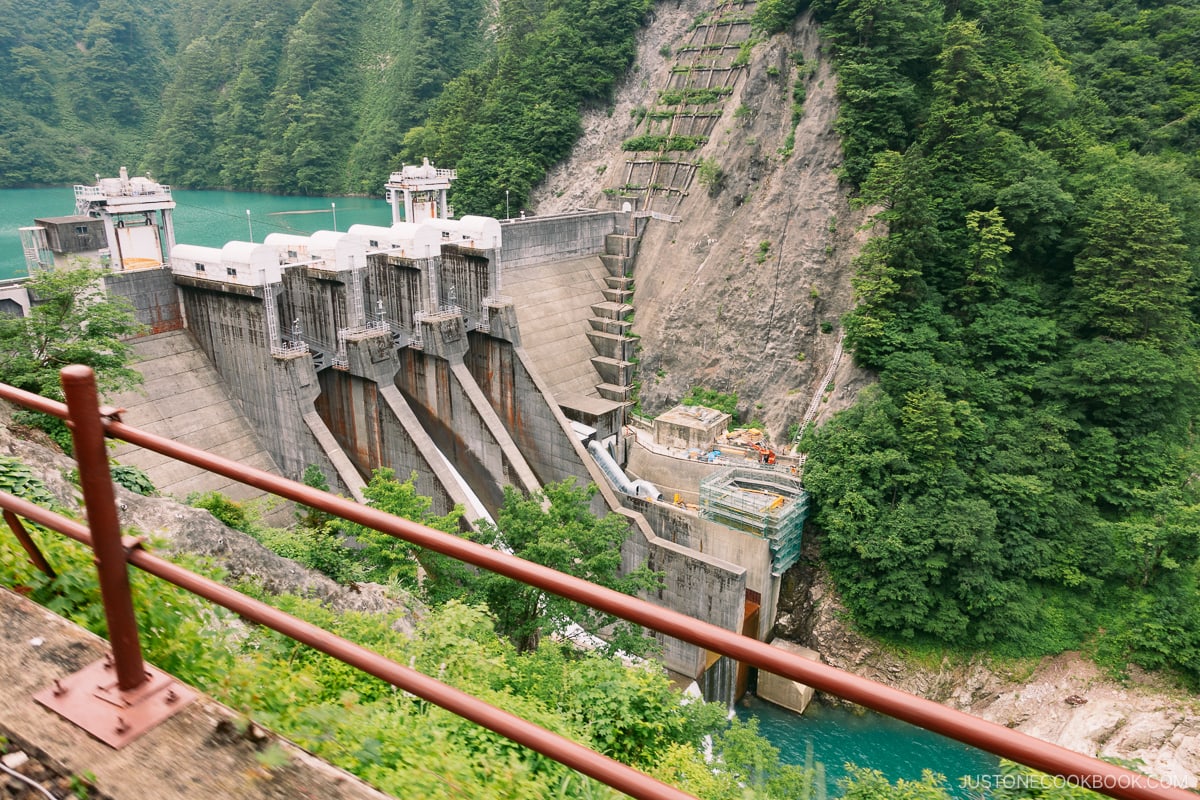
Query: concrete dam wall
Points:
[346, 352]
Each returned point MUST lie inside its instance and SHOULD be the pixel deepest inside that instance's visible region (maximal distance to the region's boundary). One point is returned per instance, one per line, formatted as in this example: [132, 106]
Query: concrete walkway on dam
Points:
[184, 398]
[554, 302]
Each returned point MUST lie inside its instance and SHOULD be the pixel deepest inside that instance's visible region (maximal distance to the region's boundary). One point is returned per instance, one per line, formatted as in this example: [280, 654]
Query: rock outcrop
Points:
[1064, 699]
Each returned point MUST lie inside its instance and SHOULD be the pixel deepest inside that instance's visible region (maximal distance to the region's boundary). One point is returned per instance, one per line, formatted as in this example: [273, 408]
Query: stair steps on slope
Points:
[611, 310]
[612, 391]
[618, 244]
[614, 370]
[617, 266]
[622, 296]
[618, 326]
[612, 345]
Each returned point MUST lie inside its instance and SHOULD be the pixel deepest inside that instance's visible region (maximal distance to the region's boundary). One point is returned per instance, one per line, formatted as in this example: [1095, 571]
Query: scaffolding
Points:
[761, 502]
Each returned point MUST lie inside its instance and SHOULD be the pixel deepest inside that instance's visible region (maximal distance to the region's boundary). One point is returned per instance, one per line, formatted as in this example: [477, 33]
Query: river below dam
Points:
[839, 736]
[208, 218]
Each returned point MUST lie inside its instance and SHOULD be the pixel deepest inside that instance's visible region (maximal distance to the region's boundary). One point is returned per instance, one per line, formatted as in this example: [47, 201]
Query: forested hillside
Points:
[1024, 474]
[305, 96]
[80, 86]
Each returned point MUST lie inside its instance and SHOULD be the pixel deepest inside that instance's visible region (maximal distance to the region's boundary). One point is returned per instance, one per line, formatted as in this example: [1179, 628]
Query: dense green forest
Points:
[306, 96]
[1023, 476]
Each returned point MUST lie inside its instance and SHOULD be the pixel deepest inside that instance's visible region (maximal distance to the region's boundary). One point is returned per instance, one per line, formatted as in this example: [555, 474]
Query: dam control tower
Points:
[422, 189]
[136, 214]
[120, 224]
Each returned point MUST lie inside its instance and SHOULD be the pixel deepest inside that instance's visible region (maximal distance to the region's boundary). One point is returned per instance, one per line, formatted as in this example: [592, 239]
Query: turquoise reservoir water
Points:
[208, 218]
[838, 736]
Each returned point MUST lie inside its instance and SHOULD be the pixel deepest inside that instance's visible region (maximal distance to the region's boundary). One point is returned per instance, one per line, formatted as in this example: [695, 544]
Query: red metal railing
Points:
[90, 424]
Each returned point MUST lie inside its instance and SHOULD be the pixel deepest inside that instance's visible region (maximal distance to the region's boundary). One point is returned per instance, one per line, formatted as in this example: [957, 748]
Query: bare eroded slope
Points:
[715, 306]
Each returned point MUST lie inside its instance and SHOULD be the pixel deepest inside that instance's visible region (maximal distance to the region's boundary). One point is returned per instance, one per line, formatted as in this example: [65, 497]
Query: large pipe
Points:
[644, 488]
[616, 476]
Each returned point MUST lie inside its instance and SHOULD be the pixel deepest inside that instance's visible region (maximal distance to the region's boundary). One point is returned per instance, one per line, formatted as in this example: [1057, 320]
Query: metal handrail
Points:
[506, 724]
[1084, 770]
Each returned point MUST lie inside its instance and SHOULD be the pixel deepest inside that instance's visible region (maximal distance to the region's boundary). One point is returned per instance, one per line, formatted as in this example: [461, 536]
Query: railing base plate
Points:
[90, 699]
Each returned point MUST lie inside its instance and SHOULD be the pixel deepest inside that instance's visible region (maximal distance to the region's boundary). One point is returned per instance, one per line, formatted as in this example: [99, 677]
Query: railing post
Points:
[31, 548]
[87, 434]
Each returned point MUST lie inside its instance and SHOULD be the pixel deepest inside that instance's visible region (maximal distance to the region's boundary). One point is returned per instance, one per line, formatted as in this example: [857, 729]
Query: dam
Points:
[472, 353]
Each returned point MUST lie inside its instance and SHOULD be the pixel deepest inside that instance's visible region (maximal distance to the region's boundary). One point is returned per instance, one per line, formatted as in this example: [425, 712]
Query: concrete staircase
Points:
[554, 302]
[184, 398]
[610, 338]
[616, 348]
[575, 321]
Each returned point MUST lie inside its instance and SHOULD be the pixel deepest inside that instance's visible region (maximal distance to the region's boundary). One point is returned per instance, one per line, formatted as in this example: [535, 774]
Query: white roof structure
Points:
[421, 177]
[333, 249]
[124, 195]
[244, 263]
[292, 248]
[480, 232]
[403, 239]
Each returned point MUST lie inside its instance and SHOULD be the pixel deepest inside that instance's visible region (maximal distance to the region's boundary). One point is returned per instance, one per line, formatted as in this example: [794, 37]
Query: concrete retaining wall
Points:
[725, 544]
[671, 474]
[701, 586]
[154, 297]
[538, 239]
[274, 393]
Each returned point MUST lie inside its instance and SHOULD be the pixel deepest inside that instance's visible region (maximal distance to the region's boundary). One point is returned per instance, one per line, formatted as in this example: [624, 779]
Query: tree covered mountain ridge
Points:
[300, 96]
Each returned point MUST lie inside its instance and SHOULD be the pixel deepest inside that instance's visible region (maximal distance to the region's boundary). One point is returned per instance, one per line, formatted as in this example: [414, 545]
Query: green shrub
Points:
[17, 479]
[710, 398]
[708, 173]
[662, 143]
[133, 479]
[227, 511]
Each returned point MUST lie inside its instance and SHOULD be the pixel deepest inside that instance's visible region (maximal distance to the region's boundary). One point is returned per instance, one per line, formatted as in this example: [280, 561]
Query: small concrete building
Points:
[62, 239]
[690, 427]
